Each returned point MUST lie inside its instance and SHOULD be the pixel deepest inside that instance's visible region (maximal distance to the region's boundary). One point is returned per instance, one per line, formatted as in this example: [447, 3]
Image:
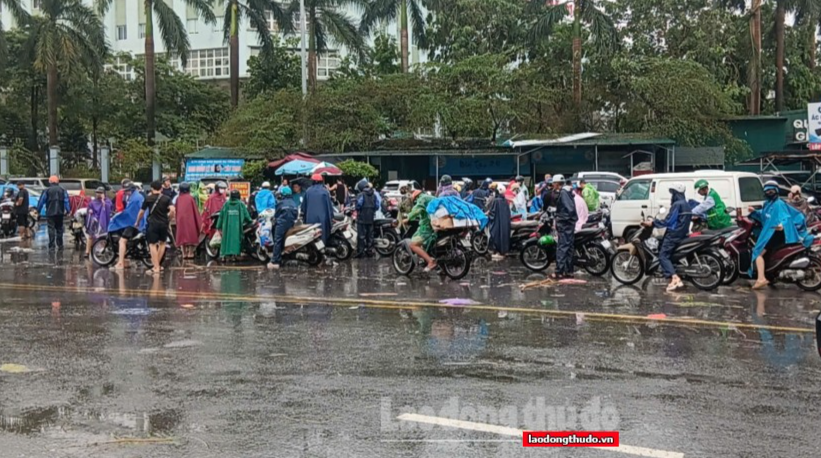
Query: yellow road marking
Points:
[384, 304]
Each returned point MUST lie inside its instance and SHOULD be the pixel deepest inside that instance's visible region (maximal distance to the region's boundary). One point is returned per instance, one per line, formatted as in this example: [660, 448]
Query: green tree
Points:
[66, 35]
[274, 69]
[601, 29]
[410, 14]
[255, 12]
[19, 14]
[326, 23]
[269, 124]
[383, 56]
[175, 41]
[357, 169]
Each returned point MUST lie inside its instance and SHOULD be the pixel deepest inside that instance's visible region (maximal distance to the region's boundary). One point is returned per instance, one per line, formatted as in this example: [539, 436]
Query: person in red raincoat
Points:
[188, 222]
[213, 206]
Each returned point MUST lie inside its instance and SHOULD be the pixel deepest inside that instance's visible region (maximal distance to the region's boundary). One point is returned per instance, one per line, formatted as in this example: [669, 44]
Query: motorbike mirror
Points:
[662, 211]
[811, 199]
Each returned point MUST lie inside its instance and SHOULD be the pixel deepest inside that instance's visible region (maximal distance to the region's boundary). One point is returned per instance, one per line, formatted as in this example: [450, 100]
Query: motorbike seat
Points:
[298, 228]
[587, 231]
[695, 240]
[382, 222]
[726, 230]
[523, 224]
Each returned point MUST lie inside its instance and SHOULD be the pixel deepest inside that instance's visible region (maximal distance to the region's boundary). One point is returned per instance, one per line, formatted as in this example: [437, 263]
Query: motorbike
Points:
[303, 242]
[592, 249]
[339, 244]
[452, 252]
[385, 237]
[78, 224]
[105, 249]
[696, 259]
[521, 230]
[789, 263]
[8, 220]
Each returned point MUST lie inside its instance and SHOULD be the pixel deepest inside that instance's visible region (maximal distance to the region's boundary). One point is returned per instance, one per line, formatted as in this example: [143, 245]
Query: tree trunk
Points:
[780, 15]
[577, 53]
[35, 124]
[51, 89]
[94, 144]
[311, 50]
[813, 44]
[403, 38]
[755, 60]
[150, 76]
[234, 44]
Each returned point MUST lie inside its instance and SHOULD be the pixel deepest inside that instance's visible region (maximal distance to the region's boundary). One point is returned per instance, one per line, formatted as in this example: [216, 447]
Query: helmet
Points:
[285, 190]
[235, 194]
[362, 185]
[520, 179]
[185, 187]
[445, 180]
[317, 178]
[100, 190]
[467, 180]
[678, 187]
[266, 184]
[222, 185]
[558, 178]
[53, 179]
[211, 186]
[488, 180]
[701, 184]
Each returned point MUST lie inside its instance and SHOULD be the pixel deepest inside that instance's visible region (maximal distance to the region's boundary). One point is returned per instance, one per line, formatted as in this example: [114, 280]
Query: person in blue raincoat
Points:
[265, 198]
[124, 222]
[285, 216]
[317, 207]
[677, 225]
[781, 224]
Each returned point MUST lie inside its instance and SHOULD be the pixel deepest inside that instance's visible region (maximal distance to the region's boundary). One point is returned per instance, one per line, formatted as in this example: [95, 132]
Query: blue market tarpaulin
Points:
[458, 209]
[197, 169]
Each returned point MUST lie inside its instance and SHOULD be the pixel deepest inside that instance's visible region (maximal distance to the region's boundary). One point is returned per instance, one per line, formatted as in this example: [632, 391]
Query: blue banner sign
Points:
[197, 169]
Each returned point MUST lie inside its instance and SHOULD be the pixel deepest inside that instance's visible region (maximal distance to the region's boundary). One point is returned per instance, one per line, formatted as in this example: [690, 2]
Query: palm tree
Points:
[255, 11]
[19, 14]
[603, 33]
[780, 24]
[387, 10]
[68, 35]
[175, 39]
[808, 15]
[326, 23]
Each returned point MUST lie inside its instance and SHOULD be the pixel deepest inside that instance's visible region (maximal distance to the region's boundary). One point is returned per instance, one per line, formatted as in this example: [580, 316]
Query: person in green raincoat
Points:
[233, 217]
[196, 187]
[712, 208]
[424, 236]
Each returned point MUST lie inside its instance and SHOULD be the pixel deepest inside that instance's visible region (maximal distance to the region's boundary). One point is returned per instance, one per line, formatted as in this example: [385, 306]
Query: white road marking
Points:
[505, 431]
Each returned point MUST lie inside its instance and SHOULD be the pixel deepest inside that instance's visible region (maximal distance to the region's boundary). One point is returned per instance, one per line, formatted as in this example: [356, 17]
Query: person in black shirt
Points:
[167, 190]
[160, 210]
[21, 207]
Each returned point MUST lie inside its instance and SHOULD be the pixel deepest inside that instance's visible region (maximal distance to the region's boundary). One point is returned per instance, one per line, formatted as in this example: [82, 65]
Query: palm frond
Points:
[260, 23]
[15, 8]
[172, 30]
[378, 10]
[342, 30]
[226, 22]
[543, 27]
[603, 33]
[282, 17]
[83, 19]
[204, 9]
[417, 23]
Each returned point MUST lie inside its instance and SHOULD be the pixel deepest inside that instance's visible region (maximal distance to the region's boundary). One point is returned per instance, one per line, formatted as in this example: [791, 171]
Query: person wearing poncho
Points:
[424, 236]
[99, 214]
[781, 225]
[499, 214]
[233, 218]
[188, 221]
[213, 206]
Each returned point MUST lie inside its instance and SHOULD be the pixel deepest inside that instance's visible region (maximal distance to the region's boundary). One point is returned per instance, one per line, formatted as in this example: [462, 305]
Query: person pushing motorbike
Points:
[677, 226]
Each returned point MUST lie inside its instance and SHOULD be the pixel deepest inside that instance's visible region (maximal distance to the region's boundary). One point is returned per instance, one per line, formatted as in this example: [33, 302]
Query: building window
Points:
[191, 25]
[122, 33]
[122, 67]
[208, 63]
[328, 63]
[141, 30]
[35, 4]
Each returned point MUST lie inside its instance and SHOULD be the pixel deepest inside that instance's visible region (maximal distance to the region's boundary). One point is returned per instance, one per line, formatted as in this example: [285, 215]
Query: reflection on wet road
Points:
[218, 361]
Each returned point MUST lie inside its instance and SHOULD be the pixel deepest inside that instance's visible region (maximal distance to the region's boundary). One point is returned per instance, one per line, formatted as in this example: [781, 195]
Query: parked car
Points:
[31, 181]
[391, 188]
[82, 186]
[588, 176]
[607, 189]
[648, 193]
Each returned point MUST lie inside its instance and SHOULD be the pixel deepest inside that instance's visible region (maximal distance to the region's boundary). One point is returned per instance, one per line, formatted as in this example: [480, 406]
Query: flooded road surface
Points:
[353, 360]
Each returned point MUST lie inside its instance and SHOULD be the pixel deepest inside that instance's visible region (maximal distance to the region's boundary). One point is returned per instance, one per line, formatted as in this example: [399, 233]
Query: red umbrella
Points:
[328, 171]
[292, 157]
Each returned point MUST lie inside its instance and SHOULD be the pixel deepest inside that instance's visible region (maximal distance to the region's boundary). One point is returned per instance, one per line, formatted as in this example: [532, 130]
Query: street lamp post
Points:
[303, 31]
[4, 161]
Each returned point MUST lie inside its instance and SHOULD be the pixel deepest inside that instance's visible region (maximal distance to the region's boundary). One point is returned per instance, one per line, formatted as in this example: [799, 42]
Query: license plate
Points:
[320, 245]
[6, 215]
[606, 244]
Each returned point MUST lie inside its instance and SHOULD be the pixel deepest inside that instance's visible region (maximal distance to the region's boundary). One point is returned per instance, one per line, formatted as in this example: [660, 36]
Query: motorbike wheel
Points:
[717, 272]
[812, 280]
[480, 242]
[343, 250]
[392, 238]
[261, 255]
[458, 265]
[730, 273]
[31, 222]
[403, 261]
[315, 257]
[102, 253]
[211, 253]
[598, 260]
[627, 269]
[535, 258]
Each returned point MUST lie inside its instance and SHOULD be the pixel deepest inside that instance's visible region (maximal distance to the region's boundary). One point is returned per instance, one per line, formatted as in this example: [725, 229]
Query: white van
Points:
[648, 193]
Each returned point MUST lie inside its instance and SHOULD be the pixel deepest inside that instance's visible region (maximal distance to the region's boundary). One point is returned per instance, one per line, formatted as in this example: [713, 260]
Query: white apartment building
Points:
[209, 56]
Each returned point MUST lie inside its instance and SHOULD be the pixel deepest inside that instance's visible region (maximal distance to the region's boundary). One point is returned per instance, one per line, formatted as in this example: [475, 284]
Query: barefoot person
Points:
[160, 211]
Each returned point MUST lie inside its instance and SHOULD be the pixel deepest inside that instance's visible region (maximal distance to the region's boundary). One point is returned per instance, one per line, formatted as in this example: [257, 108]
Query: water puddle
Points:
[42, 420]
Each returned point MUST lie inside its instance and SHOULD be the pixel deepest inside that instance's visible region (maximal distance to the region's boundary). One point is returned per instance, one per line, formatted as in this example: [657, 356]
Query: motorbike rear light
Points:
[534, 234]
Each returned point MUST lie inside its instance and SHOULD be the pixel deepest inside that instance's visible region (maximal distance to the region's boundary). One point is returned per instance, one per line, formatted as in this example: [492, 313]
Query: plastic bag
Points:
[216, 240]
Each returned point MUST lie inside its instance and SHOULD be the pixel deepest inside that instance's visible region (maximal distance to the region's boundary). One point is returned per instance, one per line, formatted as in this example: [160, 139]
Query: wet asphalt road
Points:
[236, 361]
